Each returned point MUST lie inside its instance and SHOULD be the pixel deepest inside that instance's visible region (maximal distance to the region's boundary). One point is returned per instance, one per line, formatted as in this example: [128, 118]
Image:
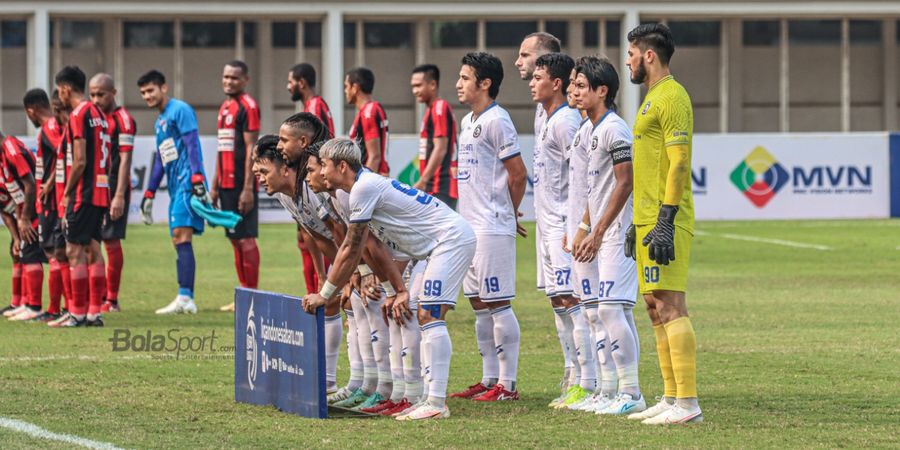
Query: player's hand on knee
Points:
[400, 308]
[630, 237]
[660, 241]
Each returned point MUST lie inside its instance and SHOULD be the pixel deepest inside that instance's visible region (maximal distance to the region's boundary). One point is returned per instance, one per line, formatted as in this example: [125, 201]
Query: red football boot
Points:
[496, 394]
[472, 391]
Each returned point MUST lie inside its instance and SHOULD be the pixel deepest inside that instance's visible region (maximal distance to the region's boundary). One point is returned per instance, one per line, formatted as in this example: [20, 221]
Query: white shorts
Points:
[585, 280]
[617, 283]
[555, 264]
[492, 275]
[539, 256]
[444, 272]
[416, 276]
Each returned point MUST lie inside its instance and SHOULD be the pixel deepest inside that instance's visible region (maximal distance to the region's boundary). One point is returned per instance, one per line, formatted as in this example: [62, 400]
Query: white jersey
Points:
[310, 211]
[578, 176]
[404, 218]
[484, 143]
[610, 143]
[551, 167]
[340, 201]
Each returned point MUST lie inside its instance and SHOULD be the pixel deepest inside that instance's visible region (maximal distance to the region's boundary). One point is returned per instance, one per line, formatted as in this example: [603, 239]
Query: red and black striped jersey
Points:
[319, 108]
[122, 129]
[17, 163]
[63, 165]
[49, 137]
[236, 116]
[370, 123]
[87, 122]
[439, 122]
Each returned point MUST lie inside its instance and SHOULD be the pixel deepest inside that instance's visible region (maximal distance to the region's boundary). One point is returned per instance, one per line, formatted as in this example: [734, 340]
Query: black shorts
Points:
[247, 228]
[32, 253]
[449, 201]
[114, 229]
[83, 225]
[50, 231]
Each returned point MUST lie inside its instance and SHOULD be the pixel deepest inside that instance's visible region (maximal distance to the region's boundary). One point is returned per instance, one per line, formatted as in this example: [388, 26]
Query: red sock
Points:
[250, 259]
[115, 261]
[80, 290]
[34, 278]
[66, 284]
[16, 285]
[54, 286]
[239, 261]
[309, 271]
[97, 287]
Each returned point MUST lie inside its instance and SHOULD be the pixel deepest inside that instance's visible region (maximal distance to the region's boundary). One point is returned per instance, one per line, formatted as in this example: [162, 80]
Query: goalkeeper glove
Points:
[660, 241]
[629, 242]
[198, 188]
[147, 207]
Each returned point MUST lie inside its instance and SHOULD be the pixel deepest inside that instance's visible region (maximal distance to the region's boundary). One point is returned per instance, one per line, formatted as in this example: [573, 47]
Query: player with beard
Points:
[370, 126]
[233, 188]
[122, 129]
[302, 87]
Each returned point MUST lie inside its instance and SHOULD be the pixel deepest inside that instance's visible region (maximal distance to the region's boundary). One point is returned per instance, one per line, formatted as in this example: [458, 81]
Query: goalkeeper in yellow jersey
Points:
[660, 238]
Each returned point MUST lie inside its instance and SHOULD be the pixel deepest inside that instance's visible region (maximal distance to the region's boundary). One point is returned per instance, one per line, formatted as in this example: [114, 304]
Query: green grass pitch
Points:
[797, 347]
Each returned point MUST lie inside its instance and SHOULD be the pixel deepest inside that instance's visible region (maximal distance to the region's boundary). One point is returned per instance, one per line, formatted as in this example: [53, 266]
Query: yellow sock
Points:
[683, 351]
[665, 361]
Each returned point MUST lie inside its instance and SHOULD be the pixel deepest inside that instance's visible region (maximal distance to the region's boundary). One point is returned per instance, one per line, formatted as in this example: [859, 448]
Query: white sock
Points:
[441, 350]
[381, 346]
[356, 363]
[564, 329]
[508, 337]
[622, 347]
[629, 316]
[593, 318]
[558, 315]
[609, 380]
[396, 359]
[584, 348]
[411, 356]
[426, 363]
[364, 338]
[334, 330]
[484, 334]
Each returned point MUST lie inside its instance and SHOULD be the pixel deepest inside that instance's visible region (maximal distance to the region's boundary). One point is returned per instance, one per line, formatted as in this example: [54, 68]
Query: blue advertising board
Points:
[279, 353]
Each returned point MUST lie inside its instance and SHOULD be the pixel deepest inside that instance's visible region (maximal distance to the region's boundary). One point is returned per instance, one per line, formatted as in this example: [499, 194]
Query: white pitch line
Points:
[38, 432]
[741, 237]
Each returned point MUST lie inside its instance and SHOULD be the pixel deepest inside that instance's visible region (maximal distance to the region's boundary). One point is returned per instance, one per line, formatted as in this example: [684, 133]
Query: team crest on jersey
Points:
[477, 131]
[577, 140]
[229, 119]
[594, 143]
[646, 108]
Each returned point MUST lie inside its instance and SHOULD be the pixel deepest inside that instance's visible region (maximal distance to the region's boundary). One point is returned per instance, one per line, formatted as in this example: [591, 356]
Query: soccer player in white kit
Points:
[491, 182]
[548, 84]
[414, 223]
[608, 217]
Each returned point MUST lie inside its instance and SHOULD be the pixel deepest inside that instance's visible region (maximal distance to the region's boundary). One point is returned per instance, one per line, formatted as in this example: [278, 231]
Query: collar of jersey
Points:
[493, 104]
[601, 118]
[364, 169]
[557, 109]
[661, 81]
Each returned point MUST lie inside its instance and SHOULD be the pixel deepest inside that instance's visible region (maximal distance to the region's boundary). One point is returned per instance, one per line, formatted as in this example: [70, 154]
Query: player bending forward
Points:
[418, 225]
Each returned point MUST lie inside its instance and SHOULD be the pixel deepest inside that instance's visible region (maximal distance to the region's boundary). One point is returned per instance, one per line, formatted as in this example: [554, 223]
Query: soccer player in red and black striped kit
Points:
[122, 129]
[302, 86]
[18, 166]
[49, 138]
[370, 126]
[437, 138]
[85, 199]
[233, 186]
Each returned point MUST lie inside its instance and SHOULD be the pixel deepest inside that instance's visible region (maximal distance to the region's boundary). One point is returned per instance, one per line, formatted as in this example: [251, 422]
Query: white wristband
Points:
[388, 289]
[364, 270]
[327, 290]
[584, 226]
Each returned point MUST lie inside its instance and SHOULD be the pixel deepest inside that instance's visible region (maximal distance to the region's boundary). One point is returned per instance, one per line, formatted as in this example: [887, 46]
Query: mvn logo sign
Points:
[759, 177]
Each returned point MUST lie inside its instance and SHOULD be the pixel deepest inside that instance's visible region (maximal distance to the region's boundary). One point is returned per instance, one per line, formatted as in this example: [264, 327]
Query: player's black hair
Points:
[304, 71]
[267, 149]
[36, 98]
[558, 65]
[73, 77]
[656, 36]
[152, 77]
[308, 123]
[546, 42]
[486, 67]
[430, 71]
[245, 70]
[364, 77]
[599, 71]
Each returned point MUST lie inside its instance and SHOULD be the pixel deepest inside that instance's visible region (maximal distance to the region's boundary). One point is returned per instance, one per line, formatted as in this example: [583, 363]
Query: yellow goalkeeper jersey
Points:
[665, 118]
